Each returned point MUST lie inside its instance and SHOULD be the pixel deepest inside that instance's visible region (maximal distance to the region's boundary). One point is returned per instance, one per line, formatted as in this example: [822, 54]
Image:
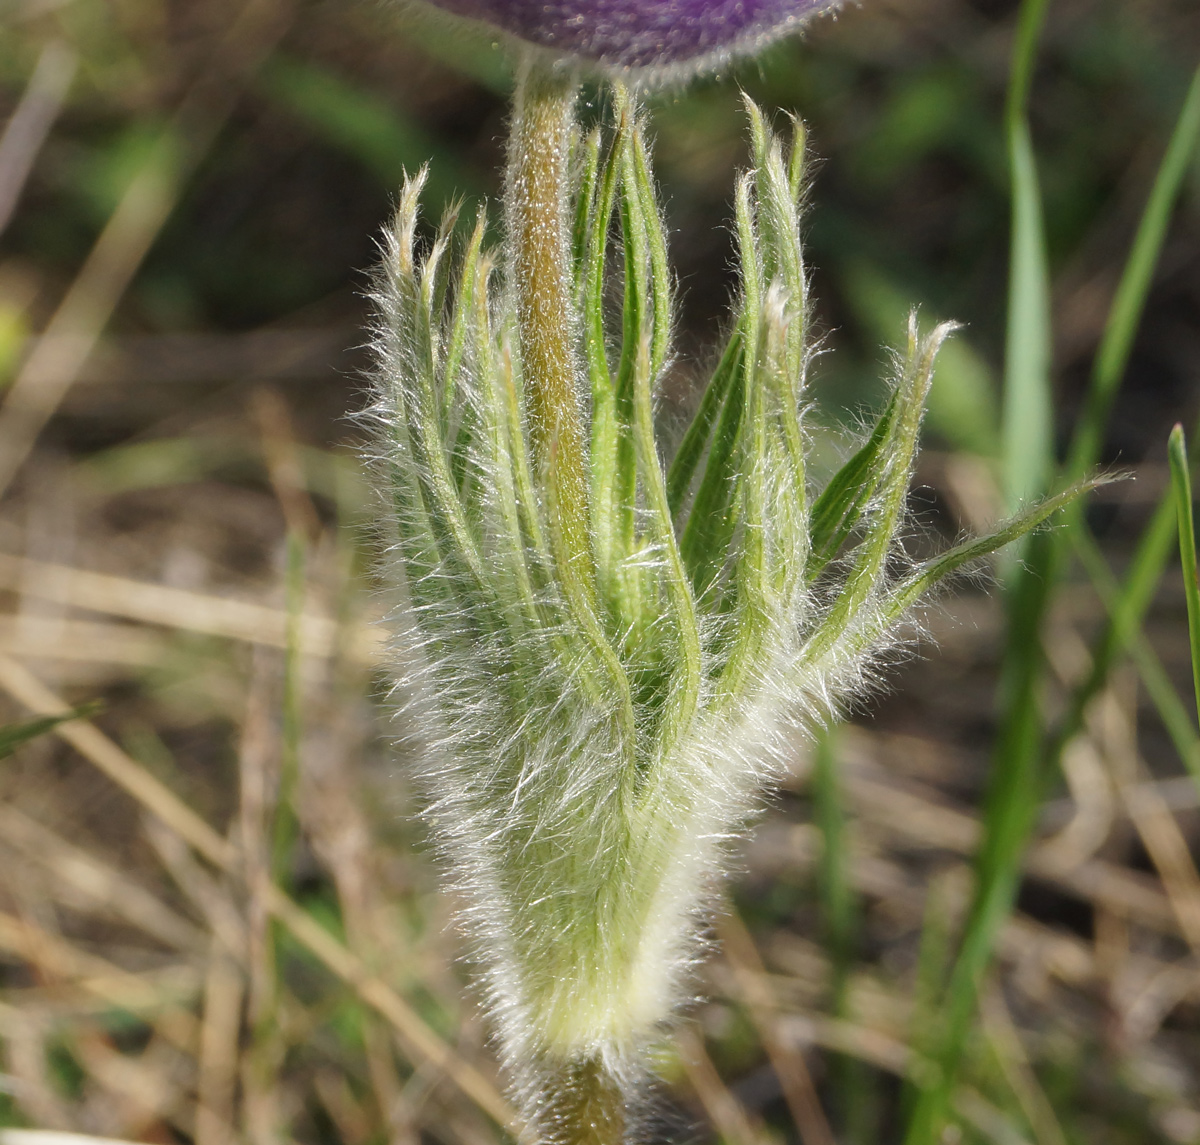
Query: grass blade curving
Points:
[1181, 483]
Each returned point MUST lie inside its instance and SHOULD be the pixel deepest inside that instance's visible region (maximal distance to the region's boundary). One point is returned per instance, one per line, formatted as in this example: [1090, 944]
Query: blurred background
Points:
[219, 918]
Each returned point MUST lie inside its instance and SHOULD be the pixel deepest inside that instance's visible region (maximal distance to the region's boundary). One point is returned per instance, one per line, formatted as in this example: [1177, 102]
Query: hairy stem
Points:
[536, 198]
[584, 1106]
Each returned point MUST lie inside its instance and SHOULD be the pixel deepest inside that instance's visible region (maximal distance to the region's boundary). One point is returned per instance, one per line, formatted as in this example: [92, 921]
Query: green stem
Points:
[539, 229]
[583, 1106]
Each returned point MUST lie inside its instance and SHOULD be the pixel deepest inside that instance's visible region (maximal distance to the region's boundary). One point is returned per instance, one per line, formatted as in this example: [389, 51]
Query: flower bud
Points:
[655, 38]
[592, 733]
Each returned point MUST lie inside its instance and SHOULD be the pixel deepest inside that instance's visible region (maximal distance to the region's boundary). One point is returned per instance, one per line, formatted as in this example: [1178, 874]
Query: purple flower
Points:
[675, 35]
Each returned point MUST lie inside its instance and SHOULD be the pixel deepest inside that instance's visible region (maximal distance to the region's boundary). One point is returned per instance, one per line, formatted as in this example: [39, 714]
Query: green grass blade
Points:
[13, 736]
[838, 907]
[1029, 30]
[1126, 611]
[934, 956]
[1161, 690]
[1026, 450]
[1008, 818]
[1027, 430]
[1130, 299]
[1028, 426]
[854, 1098]
[1181, 484]
[285, 825]
[1017, 775]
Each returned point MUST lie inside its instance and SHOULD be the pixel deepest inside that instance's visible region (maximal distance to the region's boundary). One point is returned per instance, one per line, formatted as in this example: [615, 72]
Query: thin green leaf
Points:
[713, 517]
[1181, 483]
[783, 272]
[797, 159]
[837, 510]
[929, 574]
[1126, 610]
[1160, 688]
[695, 440]
[779, 228]
[870, 557]
[635, 322]
[588, 159]
[685, 694]
[854, 1098]
[656, 249]
[1028, 419]
[1130, 299]
[13, 736]
[751, 592]
[604, 416]
[838, 907]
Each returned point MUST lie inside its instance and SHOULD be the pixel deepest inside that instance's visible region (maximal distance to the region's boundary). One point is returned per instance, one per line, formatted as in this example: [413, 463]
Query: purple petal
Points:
[642, 33]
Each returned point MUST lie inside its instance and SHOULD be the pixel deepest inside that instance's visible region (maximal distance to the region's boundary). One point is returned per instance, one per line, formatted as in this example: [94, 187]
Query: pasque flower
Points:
[671, 37]
[611, 639]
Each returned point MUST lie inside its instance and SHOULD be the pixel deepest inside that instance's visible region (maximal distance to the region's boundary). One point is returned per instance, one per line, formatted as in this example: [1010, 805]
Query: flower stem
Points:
[583, 1106]
[536, 199]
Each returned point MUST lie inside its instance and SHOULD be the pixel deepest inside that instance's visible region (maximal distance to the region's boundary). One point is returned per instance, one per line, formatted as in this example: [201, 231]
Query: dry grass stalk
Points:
[180, 609]
[901, 813]
[1009, 1049]
[1113, 724]
[162, 997]
[754, 989]
[341, 838]
[896, 1057]
[56, 639]
[420, 1042]
[727, 1115]
[53, 1137]
[30, 123]
[134, 1096]
[284, 469]
[108, 890]
[26, 1032]
[212, 900]
[74, 330]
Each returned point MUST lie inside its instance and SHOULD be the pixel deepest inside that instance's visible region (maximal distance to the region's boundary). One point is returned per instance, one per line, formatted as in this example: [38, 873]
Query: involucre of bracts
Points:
[644, 39]
[589, 752]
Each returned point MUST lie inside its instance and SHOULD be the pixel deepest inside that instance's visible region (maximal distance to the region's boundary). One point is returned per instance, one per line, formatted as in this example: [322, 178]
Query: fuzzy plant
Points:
[610, 644]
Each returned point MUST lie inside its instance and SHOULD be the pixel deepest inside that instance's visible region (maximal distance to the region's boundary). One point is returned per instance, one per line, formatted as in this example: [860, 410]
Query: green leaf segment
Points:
[605, 658]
